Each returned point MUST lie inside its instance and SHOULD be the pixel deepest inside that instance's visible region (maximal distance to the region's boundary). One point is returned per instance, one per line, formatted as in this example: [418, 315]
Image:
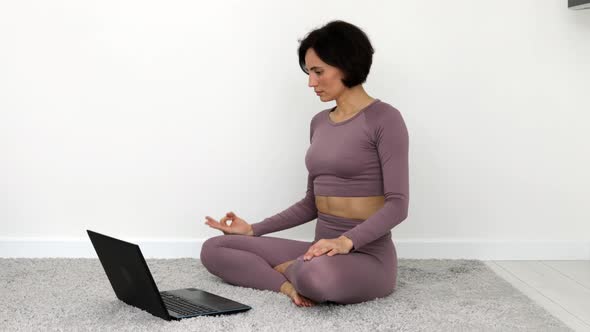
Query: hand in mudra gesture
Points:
[238, 225]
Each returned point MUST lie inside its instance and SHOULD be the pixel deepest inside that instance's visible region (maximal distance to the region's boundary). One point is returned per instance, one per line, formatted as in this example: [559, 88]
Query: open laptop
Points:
[133, 284]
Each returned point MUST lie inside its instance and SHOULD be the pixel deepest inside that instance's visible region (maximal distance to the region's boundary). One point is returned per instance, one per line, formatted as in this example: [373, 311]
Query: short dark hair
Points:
[342, 45]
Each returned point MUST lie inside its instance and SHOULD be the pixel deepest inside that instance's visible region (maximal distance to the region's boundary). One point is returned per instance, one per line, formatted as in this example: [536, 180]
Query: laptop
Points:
[133, 284]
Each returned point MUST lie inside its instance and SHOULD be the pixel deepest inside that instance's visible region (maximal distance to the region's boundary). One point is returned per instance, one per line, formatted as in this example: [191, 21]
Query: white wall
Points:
[137, 119]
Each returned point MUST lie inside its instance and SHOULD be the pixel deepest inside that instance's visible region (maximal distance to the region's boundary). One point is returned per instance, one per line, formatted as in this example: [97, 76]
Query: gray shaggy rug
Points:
[67, 294]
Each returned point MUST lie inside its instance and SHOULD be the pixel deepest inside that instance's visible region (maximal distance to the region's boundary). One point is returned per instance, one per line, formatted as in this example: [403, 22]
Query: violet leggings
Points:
[364, 274]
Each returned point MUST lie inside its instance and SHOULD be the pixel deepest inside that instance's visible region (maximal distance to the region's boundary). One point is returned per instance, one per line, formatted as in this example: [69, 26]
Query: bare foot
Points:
[282, 267]
[300, 300]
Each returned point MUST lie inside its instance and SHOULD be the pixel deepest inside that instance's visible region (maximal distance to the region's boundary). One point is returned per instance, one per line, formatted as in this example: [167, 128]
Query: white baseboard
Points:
[418, 249]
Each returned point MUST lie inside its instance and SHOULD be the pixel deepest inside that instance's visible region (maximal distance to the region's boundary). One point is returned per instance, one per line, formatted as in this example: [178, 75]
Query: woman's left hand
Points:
[341, 245]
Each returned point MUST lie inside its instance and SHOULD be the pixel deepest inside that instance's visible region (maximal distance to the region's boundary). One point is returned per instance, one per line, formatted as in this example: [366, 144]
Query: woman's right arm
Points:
[297, 214]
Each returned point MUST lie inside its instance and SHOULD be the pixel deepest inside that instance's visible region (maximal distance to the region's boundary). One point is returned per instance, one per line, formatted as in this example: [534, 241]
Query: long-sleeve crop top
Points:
[365, 155]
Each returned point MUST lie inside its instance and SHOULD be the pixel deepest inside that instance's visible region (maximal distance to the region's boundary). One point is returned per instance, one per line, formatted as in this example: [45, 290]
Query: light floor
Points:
[562, 287]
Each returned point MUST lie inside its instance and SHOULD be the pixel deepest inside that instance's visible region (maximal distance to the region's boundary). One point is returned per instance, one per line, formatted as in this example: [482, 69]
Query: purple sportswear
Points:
[365, 155]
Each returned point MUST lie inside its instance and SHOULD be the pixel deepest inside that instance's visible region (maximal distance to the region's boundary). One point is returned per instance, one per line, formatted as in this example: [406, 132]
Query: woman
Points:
[357, 189]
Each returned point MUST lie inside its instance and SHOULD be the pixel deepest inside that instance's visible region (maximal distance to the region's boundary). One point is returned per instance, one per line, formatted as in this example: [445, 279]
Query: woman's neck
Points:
[351, 102]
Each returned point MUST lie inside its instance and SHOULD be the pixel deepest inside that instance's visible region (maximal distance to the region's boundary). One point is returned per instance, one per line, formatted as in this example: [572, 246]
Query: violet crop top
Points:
[365, 155]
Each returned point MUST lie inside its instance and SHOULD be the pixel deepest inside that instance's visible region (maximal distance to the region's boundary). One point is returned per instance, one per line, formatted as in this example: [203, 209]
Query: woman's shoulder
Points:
[320, 114]
[382, 111]
[381, 107]
[384, 117]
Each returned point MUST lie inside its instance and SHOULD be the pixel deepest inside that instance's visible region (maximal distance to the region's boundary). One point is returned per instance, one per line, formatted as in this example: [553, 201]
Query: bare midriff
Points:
[349, 207]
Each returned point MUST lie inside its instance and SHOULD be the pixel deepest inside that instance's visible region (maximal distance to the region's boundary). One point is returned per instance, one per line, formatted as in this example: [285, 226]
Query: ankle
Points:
[286, 288]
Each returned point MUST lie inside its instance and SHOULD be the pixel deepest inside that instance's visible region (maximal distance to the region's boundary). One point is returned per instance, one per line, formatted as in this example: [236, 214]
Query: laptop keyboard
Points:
[183, 307]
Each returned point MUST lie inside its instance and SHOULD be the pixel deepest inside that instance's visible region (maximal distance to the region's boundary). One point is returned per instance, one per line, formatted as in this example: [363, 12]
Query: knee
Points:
[209, 248]
[315, 282]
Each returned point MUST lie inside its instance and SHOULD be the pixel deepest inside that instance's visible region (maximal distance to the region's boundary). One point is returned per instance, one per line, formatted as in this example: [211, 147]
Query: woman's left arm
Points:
[392, 142]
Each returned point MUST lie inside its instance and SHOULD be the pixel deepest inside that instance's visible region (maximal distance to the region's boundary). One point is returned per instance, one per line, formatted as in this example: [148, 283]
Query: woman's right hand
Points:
[238, 225]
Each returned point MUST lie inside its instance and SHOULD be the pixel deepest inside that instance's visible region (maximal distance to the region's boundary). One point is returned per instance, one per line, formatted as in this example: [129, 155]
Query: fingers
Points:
[321, 247]
[211, 222]
[224, 220]
[217, 225]
[315, 252]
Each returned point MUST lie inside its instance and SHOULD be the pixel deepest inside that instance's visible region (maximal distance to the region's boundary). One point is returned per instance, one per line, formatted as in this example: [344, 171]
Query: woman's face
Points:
[323, 78]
